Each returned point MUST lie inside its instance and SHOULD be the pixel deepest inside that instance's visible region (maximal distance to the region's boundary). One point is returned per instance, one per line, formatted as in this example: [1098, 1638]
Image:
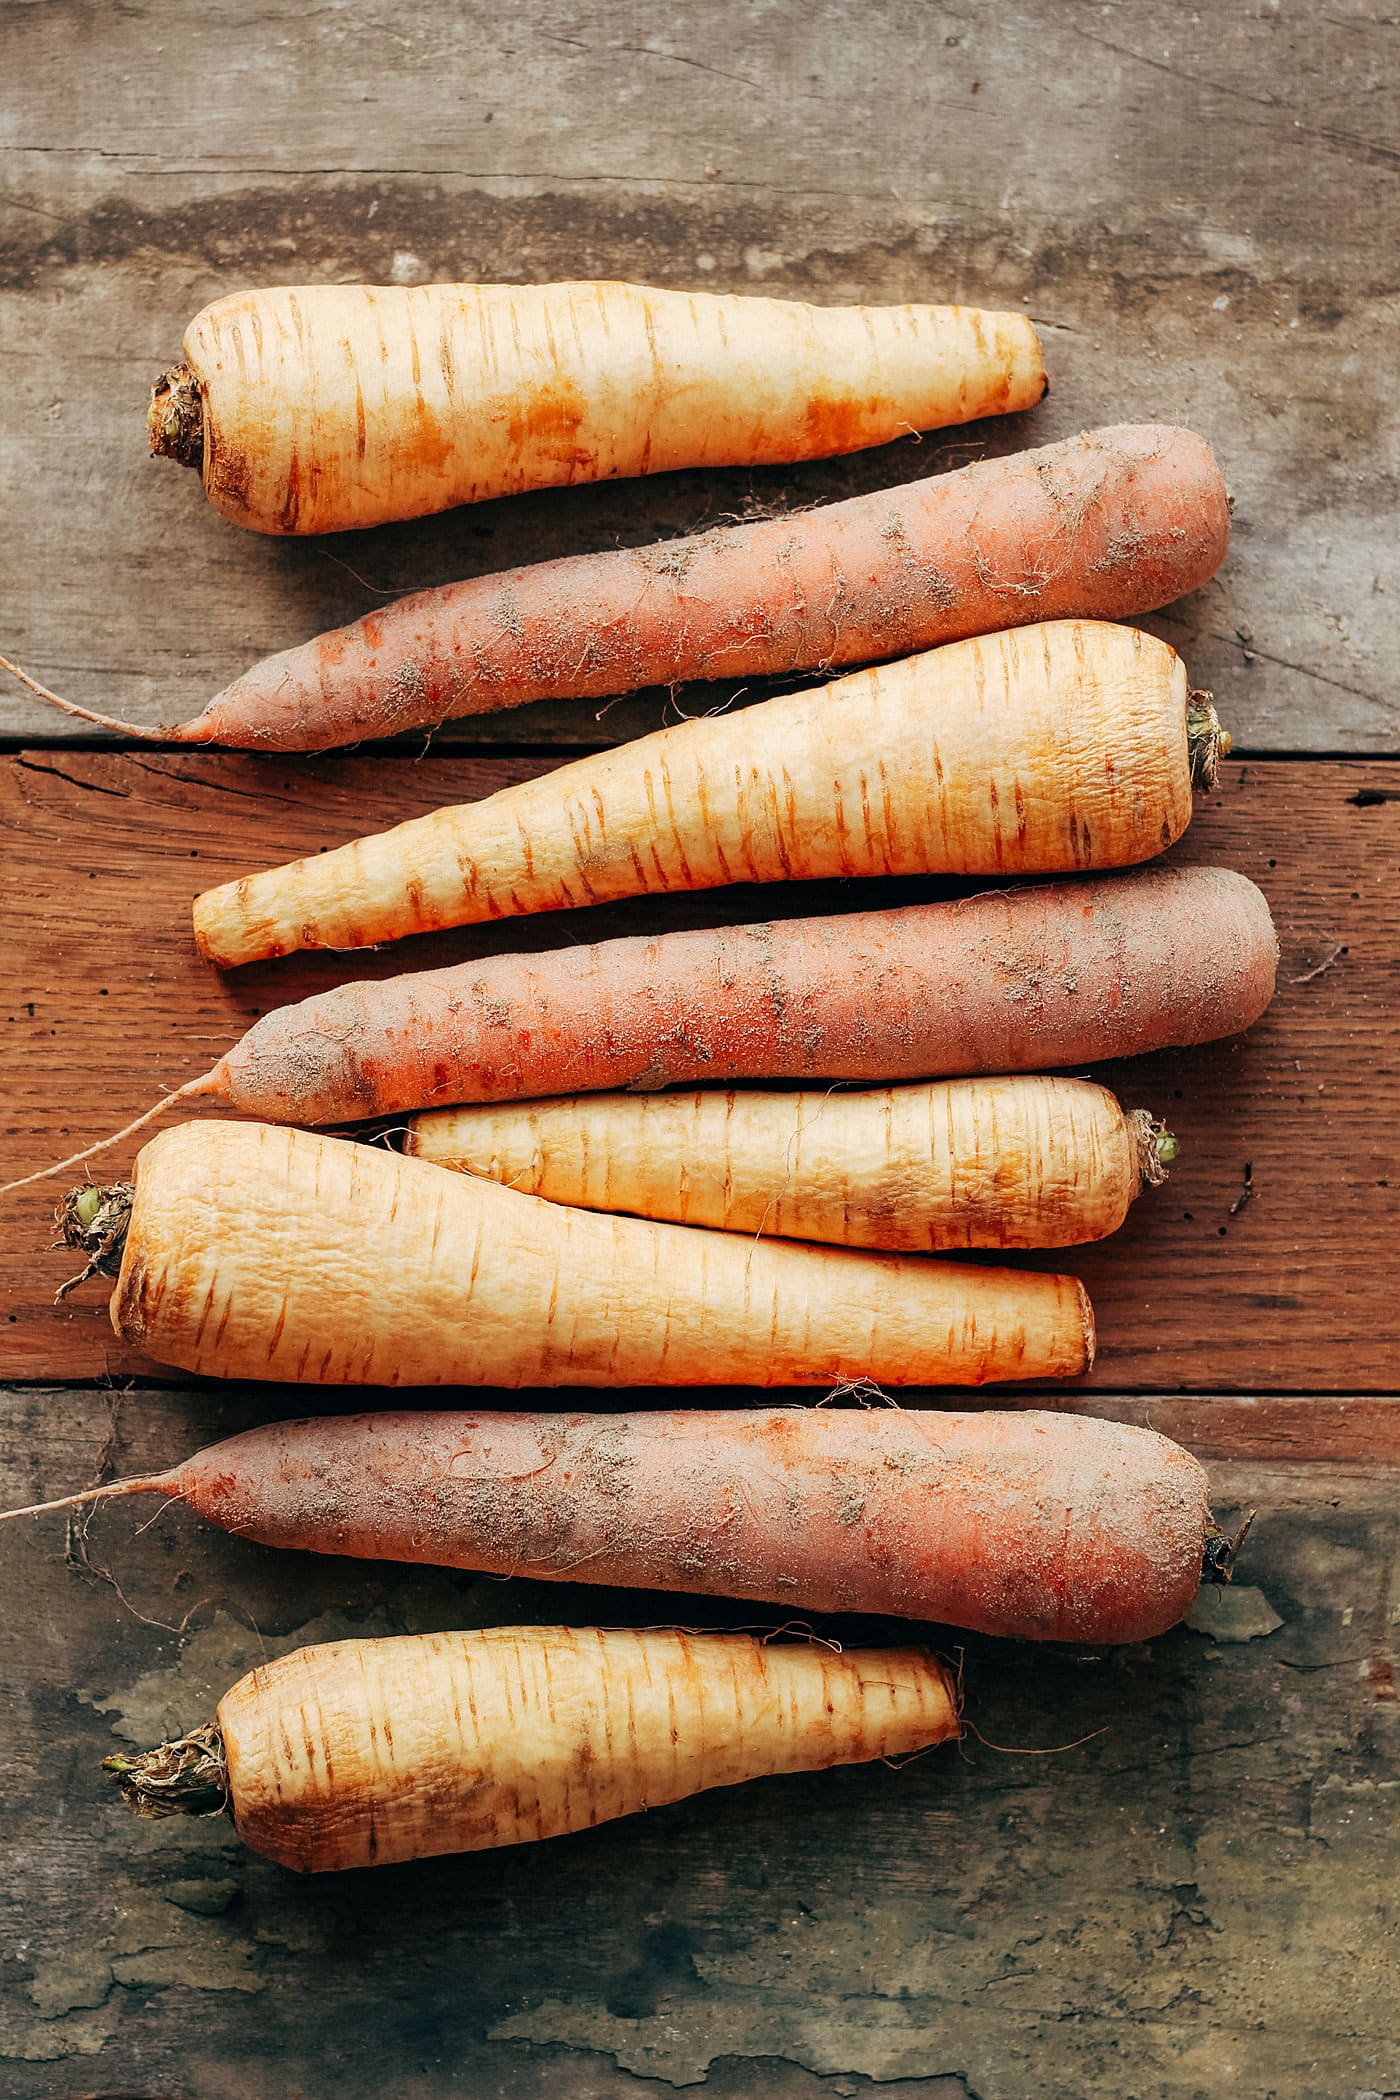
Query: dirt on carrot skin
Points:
[1109, 524]
[648, 1501]
[1054, 974]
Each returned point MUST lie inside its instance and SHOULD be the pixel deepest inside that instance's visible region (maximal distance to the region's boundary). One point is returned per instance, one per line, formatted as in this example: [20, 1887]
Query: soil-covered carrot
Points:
[1018, 1162]
[249, 1251]
[1033, 1525]
[363, 1753]
[1106, 525]
[316, 408]
[1069, 746]
[1014, 980]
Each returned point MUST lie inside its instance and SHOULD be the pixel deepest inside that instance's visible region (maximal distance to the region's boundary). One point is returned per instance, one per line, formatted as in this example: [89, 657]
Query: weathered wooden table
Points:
[1199, 209]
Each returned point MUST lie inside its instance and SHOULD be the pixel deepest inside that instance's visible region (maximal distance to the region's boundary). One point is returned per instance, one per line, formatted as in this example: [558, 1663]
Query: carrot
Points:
[1103, 526]
[1073, 745]
[1037, 1526]
[1024, 1162]
[1014, 980]
[317, 408]
[254, 1252]
[363, 1753]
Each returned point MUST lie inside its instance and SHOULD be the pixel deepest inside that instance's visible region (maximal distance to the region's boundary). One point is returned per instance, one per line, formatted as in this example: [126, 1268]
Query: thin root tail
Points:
[84, 714]
[112, 1489]
[194, 1089]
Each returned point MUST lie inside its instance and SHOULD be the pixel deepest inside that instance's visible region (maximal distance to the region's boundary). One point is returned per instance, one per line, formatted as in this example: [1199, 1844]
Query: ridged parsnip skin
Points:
[1029, 978]
[258, 1252]
[363, 1753]
[1022, 1162]
[1037, 1526]
[333, 406]
[1050, 749]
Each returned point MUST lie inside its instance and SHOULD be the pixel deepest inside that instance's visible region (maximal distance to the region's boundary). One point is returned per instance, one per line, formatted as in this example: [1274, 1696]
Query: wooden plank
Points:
[107, 1007]
[1207, 1881]
[1195, 205]
[1269, 1428]
[1198, 209]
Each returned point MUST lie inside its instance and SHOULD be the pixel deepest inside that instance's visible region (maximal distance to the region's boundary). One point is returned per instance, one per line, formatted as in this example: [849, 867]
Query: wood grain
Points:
[107, 1007]
[1196, 206]
[1213, 1872]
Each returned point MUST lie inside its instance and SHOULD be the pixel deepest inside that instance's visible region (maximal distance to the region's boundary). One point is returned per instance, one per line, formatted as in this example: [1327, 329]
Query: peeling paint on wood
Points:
[1210, 1875]
[1197, 207]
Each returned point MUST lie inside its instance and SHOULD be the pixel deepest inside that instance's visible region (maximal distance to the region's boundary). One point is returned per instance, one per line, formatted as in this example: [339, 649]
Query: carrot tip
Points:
[206, 1084]
[85, 1498]
[84, 714]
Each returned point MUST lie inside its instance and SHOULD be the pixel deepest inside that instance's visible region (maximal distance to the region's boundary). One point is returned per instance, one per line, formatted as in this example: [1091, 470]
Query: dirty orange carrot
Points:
[249, 1251]
[1041, 1527]
[1106, 525]
[1015, 980]
[317, 408]
[1016, 1162]
[1070, 746]
[363, 1753]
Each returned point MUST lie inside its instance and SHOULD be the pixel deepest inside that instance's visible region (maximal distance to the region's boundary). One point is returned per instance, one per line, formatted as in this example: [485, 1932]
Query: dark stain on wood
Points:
[1101, 1915]
[1211, 1882]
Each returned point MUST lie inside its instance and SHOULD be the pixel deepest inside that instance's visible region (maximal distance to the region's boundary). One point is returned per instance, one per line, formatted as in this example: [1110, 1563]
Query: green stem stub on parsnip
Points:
[1209, 743]
[95, 1220]
[1156, 1147]
[188, 1777]
[175, 418]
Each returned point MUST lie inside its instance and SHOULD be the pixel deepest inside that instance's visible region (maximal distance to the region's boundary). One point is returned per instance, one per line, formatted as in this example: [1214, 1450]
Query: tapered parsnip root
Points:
[363, 1753]
[1016, 980]
[1106, 525]
[1048, 749]
[1020, 1162]
[1033, 1525]
[254, 1252]
[317, 408]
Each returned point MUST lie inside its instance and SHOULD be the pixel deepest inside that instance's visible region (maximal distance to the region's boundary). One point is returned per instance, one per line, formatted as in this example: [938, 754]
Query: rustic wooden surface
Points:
[1195, 204]
[110, 1008]
[1198, 1900]
[1198, 207]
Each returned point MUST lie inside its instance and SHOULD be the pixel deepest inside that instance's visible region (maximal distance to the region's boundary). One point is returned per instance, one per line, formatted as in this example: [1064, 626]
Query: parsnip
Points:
[1072, 746]
[363, 1753]
[1018, 1162]
[314, 408]
[255, 1252]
